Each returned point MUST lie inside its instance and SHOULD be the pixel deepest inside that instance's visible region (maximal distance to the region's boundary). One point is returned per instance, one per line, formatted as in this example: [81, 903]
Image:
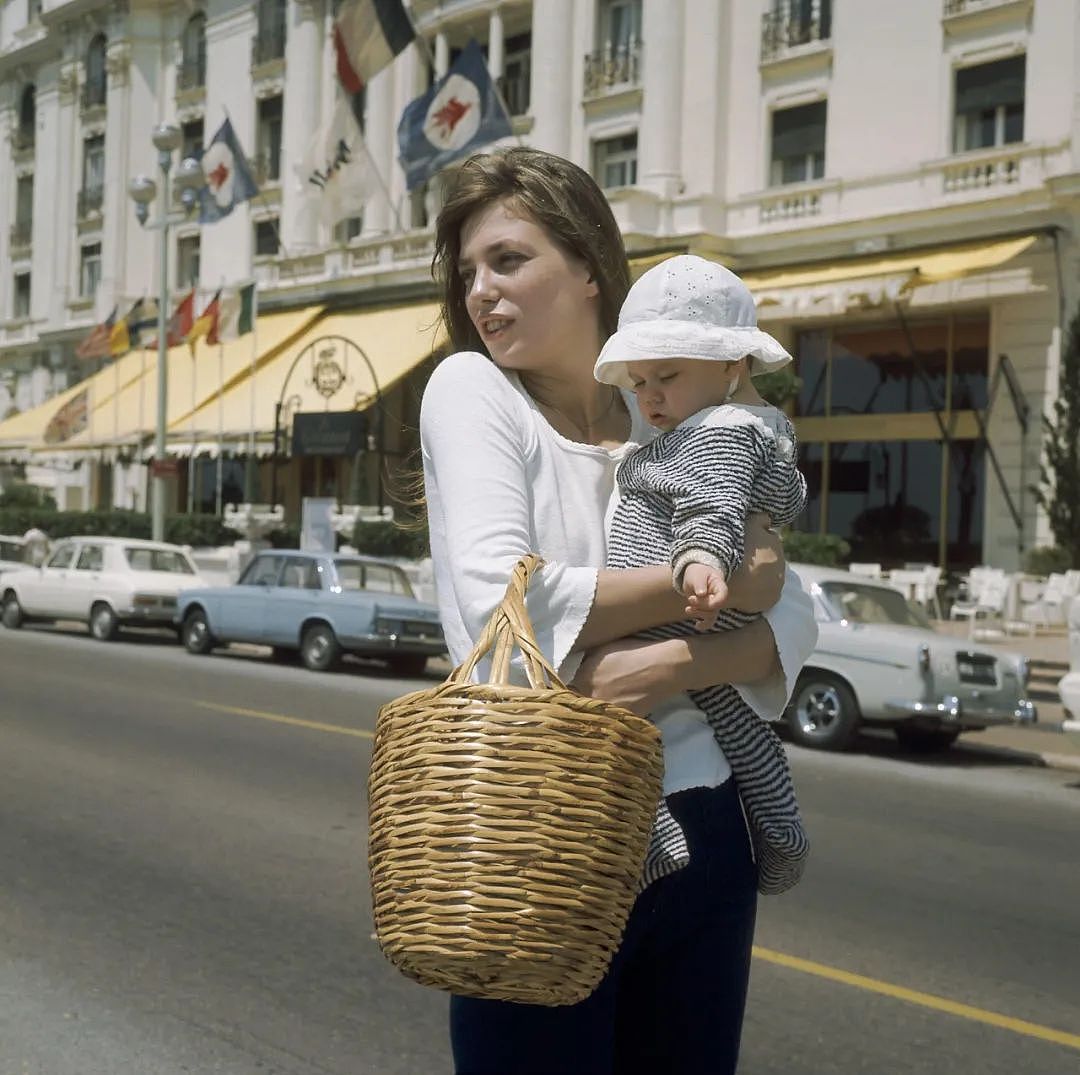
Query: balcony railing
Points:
[21, 234]
[93, 94]
[963, 7]
[90, 202]
[614, 67]
[191, 75]
[1001, 169]
[22, 139]
[515, 92]
[790, 25]
[267, 46]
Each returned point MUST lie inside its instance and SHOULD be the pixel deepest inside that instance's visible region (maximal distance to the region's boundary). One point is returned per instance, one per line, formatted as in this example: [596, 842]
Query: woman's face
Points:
[534, 306]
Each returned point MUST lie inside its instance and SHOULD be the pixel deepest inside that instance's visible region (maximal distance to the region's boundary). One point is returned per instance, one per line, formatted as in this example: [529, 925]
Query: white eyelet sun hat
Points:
[687, 307]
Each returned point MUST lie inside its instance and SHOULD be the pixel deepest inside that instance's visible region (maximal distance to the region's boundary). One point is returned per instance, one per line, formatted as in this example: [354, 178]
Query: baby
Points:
[687, 346]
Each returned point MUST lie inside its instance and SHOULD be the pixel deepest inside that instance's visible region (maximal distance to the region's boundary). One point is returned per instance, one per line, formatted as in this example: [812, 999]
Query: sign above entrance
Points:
[329, 433]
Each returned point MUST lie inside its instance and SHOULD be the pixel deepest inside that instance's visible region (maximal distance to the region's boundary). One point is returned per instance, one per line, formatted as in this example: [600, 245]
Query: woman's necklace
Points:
[584, 432]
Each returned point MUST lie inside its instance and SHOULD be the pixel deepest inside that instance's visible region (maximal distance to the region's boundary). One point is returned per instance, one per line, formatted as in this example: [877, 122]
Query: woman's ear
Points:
[592, 288]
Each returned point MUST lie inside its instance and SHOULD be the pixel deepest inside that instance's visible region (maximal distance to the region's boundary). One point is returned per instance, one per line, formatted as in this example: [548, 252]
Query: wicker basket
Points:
[508, 824]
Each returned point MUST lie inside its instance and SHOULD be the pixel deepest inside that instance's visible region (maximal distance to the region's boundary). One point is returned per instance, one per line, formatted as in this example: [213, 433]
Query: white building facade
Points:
[898, 182]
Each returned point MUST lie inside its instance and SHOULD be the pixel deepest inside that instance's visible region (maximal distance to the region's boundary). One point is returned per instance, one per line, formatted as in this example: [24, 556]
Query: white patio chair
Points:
[1051, 607]
[992, 594]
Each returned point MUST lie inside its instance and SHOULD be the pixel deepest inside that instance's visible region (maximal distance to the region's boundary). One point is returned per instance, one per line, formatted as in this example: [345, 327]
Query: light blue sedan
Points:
[319, 604]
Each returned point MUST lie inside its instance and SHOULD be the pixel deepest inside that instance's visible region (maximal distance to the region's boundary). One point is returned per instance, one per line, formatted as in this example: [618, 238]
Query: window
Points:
[62, 556]
[382, 578]
[268, 140]
[21, 295]
[798, 144]
[989, 105]
[301, 575]
[266, 237]
[269, 41]
[140, 558]
[89, 270]
[94, 164]
[91, 558]
[619, 25]
[187, 262]
[24, 203]
[33, 10]
[27, 128]
[95, 87]
[263, 571]
[192, 73]
[514, 84]
[615, 161]
[192, 146]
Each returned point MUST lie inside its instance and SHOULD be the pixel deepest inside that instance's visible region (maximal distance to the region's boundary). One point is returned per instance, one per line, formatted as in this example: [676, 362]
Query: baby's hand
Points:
[706, 592]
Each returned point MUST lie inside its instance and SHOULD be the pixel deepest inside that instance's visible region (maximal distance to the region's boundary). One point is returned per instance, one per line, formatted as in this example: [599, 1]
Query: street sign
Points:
[164, 468]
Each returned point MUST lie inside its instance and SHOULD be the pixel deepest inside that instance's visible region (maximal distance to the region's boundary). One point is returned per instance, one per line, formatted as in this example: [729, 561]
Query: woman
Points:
[520, 446]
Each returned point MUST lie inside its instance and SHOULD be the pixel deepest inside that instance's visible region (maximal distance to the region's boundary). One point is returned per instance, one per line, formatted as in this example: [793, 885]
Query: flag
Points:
[122, 335]
[206, 322]
[228, 176]
[368, 34]
[146, 319]
[336, 169]
[236, 315]
[460, 113]
[96, 344]
[71, 418]
[179, 325]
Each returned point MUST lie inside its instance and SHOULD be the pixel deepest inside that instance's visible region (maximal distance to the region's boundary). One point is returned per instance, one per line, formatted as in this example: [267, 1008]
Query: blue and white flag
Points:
[459, 114]
[228, 176]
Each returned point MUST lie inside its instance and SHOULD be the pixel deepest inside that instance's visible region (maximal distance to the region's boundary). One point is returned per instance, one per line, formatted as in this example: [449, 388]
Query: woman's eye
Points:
[510, 260]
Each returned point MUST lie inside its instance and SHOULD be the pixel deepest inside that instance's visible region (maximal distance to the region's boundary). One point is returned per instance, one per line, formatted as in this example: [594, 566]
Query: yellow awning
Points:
[921, 267]
[122, 397]
[395, 340]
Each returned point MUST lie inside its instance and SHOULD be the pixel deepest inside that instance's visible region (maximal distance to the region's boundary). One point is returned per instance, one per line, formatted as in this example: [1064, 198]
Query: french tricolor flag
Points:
[368, 34]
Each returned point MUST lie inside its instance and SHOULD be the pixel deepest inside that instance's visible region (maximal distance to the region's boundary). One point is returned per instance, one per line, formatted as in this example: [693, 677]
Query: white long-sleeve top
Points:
[501, 482]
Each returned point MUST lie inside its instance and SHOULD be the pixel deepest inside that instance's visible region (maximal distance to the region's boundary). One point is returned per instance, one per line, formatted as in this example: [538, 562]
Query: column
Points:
[552, 83]
[659, 158]
[496, 45]
[379, 137]
[55, 170]
[116, 208]
[302, 118]
[7, 204]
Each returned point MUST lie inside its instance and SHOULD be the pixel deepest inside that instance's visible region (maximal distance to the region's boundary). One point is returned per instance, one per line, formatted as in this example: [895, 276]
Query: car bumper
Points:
[951, 712]
[149, 617]
[381, 644]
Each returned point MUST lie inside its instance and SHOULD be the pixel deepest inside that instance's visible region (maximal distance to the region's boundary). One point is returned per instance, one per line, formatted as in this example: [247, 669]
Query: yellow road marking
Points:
[277, 718]
[821, 970]
[926, 1000]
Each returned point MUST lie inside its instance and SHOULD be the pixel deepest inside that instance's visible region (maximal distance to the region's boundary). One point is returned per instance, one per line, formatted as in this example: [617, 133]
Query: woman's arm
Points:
[633, 600]
[641, 675]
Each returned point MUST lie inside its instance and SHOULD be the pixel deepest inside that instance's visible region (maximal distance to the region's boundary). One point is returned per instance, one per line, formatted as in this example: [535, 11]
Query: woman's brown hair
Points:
[554, 193]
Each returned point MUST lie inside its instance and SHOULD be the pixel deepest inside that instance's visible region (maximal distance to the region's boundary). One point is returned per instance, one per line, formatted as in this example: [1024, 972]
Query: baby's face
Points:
[669, 390]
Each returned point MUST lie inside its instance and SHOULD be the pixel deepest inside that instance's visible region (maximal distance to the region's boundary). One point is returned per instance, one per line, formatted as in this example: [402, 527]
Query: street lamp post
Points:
[167, 138]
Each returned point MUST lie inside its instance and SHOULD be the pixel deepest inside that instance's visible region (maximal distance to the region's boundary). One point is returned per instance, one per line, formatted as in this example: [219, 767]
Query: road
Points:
[183, 888]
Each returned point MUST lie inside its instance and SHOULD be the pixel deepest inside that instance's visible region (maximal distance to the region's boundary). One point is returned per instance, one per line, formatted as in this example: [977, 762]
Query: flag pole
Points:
[191, 457]
[249, 470]
[220, 427]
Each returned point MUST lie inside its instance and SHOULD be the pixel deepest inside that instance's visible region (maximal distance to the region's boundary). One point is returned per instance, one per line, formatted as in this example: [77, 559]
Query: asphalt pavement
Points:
[184, 887]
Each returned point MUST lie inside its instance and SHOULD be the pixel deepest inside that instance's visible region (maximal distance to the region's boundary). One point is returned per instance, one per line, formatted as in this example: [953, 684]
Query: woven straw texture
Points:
[508, 824]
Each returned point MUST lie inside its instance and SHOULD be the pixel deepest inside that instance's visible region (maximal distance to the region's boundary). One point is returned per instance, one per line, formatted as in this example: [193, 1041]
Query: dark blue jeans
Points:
[673, 998]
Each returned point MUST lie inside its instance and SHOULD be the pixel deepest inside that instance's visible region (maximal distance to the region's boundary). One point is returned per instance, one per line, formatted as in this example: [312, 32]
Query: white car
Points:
[105, 582]
[14, 553]
[879, 662]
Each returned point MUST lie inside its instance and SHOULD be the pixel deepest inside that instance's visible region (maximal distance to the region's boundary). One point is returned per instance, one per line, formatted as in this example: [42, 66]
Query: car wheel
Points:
[11, 613]
[823, 713]
[195, 633]
[319, 648]
[104, 626]
[407, 664]
[925, 740]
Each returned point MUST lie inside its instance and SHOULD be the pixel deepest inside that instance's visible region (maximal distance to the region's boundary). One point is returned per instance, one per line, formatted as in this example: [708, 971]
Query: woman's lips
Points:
[492, 328]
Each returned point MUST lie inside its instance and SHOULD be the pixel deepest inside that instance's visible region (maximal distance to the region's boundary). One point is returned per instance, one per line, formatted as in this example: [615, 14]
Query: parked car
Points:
[879, 662]
[14, 553]
[106, 582]
[321, 605]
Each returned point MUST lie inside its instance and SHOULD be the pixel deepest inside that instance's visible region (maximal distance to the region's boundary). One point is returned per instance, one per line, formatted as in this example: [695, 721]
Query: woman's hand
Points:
[756, 585]
[636, 675]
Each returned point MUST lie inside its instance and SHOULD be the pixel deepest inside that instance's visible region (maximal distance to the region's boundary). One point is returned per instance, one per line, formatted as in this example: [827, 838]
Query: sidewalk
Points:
[1048, 651]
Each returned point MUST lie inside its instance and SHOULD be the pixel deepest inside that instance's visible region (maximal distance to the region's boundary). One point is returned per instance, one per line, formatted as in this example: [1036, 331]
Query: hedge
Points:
[827, 550]
[197, 530]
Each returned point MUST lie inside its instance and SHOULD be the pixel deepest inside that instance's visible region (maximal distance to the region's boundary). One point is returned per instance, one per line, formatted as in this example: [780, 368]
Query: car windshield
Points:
[860, 603]
[14, 552]
[167, 560]
[380, 578]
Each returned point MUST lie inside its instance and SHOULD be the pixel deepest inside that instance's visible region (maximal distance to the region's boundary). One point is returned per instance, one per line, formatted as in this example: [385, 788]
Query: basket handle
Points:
[510, 626]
